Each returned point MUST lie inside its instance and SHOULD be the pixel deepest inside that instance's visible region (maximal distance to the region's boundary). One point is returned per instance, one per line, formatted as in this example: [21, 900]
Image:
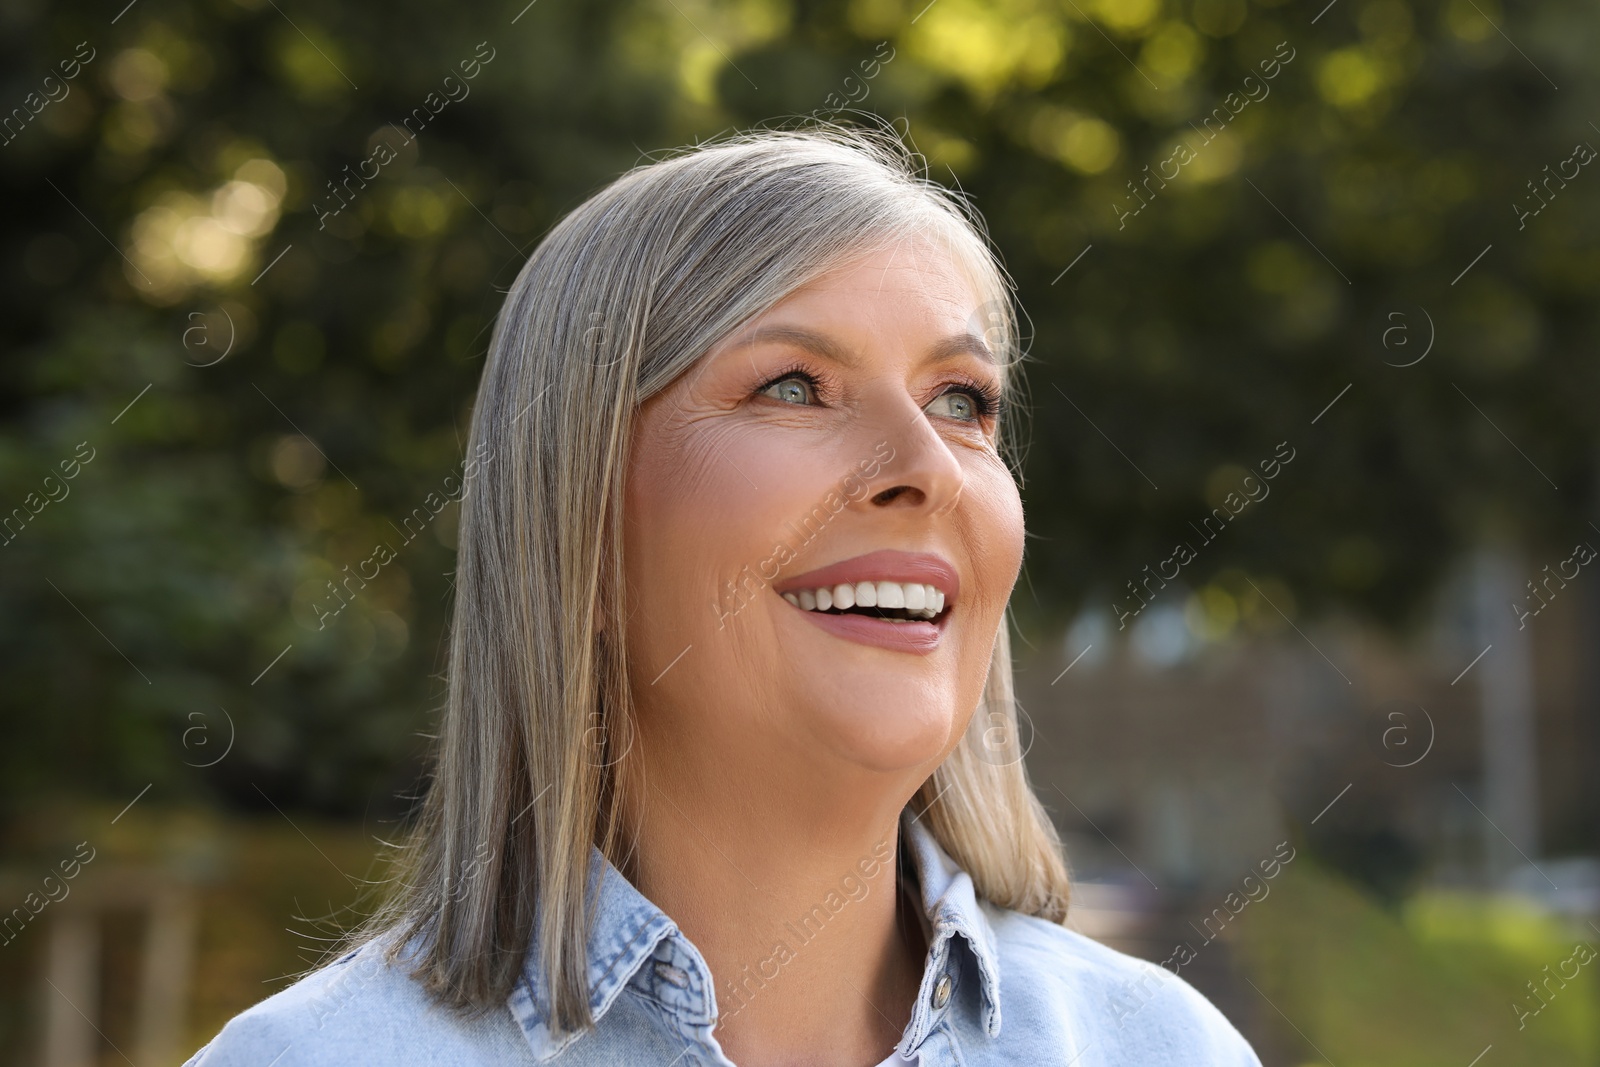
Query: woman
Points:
[729, 770]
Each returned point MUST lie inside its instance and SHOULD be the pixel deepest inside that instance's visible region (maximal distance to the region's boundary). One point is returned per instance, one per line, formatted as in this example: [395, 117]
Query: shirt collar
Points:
[950, 901]
[628, 930]
[633, 942]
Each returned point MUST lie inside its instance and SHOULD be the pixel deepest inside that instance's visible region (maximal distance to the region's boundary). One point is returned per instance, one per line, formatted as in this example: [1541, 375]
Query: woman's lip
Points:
[884, 565]
[920, 637]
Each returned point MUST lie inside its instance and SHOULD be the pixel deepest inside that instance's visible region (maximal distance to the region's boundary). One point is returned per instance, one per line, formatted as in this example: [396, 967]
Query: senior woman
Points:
[728, 772]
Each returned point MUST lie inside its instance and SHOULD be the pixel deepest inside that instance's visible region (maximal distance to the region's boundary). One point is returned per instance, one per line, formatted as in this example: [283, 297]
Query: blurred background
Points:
[1311, 455]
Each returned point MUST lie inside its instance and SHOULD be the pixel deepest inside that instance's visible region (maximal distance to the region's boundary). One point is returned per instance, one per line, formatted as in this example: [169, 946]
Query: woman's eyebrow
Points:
[826, 347]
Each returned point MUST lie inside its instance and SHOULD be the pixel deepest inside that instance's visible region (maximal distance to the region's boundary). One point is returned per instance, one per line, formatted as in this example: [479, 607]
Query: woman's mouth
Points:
[899, 616]
[894, 601]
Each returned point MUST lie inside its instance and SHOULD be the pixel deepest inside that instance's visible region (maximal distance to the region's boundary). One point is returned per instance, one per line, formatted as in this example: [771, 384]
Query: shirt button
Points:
[941, 991]
[668, 972]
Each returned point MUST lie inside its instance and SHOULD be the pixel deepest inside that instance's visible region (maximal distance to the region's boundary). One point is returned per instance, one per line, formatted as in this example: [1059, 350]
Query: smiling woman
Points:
[645, 806]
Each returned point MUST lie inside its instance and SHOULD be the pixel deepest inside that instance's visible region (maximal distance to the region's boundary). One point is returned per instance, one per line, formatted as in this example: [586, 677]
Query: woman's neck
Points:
[816, 957]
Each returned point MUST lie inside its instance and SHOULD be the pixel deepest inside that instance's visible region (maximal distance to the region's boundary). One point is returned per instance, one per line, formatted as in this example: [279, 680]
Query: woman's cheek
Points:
[1000, 528]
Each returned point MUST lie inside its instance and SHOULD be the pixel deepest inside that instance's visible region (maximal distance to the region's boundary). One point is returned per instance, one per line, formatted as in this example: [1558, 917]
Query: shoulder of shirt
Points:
[360, 1008]
[1146, 1012]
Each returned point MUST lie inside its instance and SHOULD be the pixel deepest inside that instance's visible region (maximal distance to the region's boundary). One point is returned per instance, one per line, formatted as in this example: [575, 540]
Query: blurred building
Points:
[1176, 755]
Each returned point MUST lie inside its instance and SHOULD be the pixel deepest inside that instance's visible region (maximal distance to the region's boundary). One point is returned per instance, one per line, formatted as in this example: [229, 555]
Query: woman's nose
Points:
[922, 471]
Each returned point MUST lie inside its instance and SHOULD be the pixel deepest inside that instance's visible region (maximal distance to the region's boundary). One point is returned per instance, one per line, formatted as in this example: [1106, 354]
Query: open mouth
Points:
[887, 614]
[913, 619]
[896, 600]
[901, 602]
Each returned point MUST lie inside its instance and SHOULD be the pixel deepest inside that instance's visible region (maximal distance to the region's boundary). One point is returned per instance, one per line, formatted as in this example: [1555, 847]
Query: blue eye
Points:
[962, 405]
[964, 401]
[972, 401]
[793, 388]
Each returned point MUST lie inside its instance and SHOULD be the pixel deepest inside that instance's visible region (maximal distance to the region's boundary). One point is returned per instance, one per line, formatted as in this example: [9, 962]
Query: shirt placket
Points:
[928, 1033]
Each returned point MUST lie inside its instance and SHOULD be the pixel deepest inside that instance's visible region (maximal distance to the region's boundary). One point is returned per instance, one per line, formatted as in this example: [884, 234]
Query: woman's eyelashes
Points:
[983, 400]
[987, 400]
[793, 394]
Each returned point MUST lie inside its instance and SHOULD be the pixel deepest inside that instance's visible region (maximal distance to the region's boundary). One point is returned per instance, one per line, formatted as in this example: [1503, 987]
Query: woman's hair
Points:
[622, 297]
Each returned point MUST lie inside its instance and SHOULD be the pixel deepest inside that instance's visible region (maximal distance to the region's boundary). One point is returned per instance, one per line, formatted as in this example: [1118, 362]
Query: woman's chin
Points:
[885, 735]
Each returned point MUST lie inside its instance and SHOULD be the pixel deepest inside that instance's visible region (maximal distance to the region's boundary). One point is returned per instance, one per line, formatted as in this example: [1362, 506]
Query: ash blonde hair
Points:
[622, 297]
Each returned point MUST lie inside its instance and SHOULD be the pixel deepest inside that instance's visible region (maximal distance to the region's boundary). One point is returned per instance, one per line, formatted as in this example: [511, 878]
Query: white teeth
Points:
[918, 600]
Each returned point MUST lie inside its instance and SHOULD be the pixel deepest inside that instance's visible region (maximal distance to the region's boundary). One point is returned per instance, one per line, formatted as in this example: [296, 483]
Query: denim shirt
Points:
[998, 987]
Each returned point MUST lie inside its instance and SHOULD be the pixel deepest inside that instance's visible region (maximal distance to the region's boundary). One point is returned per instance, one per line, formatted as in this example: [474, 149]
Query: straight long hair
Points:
[622, 297]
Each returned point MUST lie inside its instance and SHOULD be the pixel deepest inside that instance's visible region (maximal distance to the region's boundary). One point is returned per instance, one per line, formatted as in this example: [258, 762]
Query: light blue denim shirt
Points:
[999, 987]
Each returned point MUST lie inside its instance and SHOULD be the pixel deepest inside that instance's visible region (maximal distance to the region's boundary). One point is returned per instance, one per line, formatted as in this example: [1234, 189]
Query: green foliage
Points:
[169, 204]
[1435, 985]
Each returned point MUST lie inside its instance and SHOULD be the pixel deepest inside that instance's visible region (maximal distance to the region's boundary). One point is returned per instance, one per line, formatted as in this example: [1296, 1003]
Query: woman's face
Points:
[846, 422]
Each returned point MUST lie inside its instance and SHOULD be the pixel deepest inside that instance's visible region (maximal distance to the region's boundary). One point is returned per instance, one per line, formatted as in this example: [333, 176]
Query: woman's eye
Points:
[956, 404]
[791, 390]
[960, 403]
